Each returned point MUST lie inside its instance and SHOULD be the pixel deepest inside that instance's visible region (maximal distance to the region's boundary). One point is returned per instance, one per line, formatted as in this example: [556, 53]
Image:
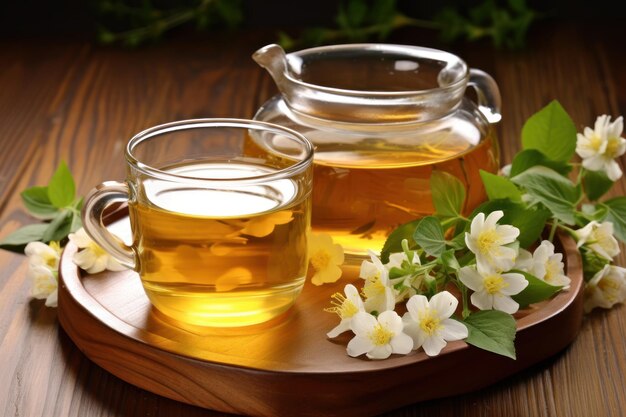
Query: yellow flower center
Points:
[494, 283]
[343, 307]
[373, 286]
[610, 288]
[380, 335]
[96, 249]
[50, 260]
[429, 323]
[320, 260]
[595, 142]
[552, 269]
[612, 147]
[486, 240]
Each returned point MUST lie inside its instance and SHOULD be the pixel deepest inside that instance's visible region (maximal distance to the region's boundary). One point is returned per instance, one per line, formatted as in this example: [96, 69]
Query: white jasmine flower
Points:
[599, 147]
[548, 266]
[325, 257]
[346, 307]
[606, 288]
[429, 323]
[92, 258]
[378, 292]
[378, 337]
[40, 254]
[45, 284]
[487, 239]
[599, 238]
[493, 290]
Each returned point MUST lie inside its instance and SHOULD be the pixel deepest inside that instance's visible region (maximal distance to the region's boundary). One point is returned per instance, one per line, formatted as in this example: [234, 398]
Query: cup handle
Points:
[96, 202]
[488, 94]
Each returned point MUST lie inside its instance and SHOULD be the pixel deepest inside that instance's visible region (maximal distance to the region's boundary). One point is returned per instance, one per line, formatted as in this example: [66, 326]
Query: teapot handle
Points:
[488, 93]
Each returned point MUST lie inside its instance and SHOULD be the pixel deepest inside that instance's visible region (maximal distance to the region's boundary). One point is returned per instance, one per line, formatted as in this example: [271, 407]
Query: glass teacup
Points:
[219, 210]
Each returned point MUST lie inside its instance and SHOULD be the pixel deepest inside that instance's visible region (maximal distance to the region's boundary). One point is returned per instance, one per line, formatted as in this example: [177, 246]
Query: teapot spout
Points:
[274, 60]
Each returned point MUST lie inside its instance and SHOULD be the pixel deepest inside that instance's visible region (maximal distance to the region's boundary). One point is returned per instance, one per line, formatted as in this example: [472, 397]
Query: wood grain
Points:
[65, 99]
[288, 367]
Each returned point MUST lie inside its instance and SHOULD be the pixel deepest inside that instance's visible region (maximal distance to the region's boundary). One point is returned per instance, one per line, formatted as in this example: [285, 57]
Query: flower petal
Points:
[433, 345]
[453, 330]
[80, 238]
[413, 330]
[482, 300]
[524, 260]
[401, 343]
[52, 300]
[368, 270]
[343, 326]
[470, 277]
[84, 259]
[362, 323]
[493, 218]
[327, 275]
[380, 352]
[391, 320]
[416, 304]
[516, 283]
[505, 303]
[444, 304]
[352, 294]
[507, 233]
[477, 225]
[359, 345]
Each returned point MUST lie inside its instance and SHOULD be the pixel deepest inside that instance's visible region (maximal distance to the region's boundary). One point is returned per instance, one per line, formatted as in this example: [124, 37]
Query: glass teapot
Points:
[382, 117]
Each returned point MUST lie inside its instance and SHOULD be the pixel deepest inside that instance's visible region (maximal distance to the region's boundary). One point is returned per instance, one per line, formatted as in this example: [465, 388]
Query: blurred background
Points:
[133, 23]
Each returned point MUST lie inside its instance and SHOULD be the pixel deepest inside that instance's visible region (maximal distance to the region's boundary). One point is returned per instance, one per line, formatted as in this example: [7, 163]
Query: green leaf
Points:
[554, 191]
[59, 227]
[532, 157]
[551, 131]
[37, 203]
[393, 243]
[592, 263]
[529, 220]
[61, 189]
[457, 242]
[596, 184]
[499, 187]
[75, 223]
[536, 291]
[17, 240]
[492, 330]
[448, 259]
[616, 213]
[396, 273]
[448, 194]
[429, 235]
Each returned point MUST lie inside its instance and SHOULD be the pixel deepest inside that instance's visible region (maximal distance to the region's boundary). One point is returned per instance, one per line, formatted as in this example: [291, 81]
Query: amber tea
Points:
[219, 234]
[219, 257]
[360, 196]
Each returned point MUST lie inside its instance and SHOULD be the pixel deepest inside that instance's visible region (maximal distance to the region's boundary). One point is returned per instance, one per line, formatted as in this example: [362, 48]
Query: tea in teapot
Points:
[382, 118]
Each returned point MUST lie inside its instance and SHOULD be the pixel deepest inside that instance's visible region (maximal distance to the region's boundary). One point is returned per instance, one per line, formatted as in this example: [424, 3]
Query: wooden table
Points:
[66, 99]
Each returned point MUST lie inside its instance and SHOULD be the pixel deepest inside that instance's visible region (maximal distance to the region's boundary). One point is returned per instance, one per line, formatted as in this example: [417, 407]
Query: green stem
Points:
[466, 310]
[555, 225]
[162, 25]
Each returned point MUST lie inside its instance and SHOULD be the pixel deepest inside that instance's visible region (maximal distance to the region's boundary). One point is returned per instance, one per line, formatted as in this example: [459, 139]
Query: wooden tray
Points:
[289, 367]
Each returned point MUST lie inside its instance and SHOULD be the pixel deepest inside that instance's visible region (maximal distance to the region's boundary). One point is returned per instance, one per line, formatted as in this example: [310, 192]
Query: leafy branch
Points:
[147, 22]
[358, 20]
[505, 23]
[56, 204]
